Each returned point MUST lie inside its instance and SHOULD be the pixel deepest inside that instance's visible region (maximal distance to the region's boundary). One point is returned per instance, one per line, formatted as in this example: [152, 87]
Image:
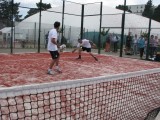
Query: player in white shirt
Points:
[53, 48]
[85, 45]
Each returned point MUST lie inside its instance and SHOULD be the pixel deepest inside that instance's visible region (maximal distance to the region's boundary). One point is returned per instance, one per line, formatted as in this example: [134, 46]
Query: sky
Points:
[111, 3]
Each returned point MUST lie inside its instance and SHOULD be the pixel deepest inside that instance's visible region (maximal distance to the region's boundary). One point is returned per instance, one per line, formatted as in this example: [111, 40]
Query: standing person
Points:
[53, 48]
[128, 42]
[135, 44]
[141, 45]
[151, 46]
[115, 43]
[108, 42]
[155, 45]
[145, 46]
[46, 39]
[85, 45]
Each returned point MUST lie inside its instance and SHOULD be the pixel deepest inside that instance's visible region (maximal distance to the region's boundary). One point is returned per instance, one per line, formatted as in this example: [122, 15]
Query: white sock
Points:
[57, 67]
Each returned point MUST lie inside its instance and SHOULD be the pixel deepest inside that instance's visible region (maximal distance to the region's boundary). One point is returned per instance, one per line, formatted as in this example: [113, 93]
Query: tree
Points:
[148, 9]
[6, 13]
[33, 11]
[121, 7]
[156, 15]
[44, 6]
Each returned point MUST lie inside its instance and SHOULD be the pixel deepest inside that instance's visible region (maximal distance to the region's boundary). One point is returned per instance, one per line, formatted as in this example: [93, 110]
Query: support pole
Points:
[82, 20]
[100, 25]
[122, 32]
[39, 36]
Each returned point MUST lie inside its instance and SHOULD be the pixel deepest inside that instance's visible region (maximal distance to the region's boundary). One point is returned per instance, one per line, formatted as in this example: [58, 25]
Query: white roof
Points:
[6, 30]
[113, 19]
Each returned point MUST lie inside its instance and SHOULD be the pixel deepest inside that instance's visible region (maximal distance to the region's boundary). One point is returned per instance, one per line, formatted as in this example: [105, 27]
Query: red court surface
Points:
[31, 68]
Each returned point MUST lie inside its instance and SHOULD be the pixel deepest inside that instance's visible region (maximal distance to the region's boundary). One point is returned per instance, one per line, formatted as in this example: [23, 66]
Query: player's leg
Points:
[57, 63]
[89, 51]
[79, 52]
[53, 61]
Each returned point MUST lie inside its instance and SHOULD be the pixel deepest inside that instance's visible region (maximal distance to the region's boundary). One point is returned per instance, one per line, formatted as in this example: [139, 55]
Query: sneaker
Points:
[78, 58]
[58, 70]
[50, 72]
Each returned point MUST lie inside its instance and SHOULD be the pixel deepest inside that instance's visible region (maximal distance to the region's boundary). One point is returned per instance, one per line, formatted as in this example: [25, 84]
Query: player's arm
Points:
[79, 46]
[53, 40]
[92, 44]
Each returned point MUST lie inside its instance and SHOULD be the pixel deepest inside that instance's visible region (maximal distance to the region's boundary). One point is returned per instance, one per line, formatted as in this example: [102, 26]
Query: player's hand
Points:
[94, 46]
[58, 45]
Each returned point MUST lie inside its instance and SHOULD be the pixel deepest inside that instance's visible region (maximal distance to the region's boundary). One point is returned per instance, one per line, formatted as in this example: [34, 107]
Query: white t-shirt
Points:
[52, 34]
[85, 43]
[135, 40]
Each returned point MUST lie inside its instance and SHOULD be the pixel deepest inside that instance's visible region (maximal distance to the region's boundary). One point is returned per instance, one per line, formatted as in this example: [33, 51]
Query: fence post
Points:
[149, 32]
[63, 9]
[100, 25]
[11, 38]
[34, 34]
[122, 32]
[82, 20]
[39, 37]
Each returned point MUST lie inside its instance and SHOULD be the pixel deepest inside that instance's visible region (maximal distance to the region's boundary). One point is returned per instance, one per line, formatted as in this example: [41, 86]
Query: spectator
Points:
[128, 42]
[115, 43]
[135, 45]
[108, 42]
[141, 45]
[151, 46]
[46, 39]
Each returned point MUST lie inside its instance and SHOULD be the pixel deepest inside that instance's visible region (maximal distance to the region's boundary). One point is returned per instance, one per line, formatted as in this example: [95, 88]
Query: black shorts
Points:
[54, 54]
[86, 49]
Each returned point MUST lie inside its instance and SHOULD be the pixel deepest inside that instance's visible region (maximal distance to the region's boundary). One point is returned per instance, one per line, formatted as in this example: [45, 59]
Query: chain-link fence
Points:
[93, 21]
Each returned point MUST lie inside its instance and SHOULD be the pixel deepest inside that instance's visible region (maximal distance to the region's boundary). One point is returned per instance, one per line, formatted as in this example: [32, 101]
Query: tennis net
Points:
[127, 96]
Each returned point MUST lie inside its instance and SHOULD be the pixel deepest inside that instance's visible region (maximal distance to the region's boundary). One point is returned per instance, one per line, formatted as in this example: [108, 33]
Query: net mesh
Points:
[128, 96]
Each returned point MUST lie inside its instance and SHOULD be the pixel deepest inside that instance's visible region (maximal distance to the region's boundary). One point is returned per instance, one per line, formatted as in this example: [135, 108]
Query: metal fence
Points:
[90, 21]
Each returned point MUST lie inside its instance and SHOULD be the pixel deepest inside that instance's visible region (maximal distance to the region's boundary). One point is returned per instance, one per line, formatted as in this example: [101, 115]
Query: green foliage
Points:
[121, 7]
[6, 13]
[33, 11]
[145, 34]
[156, 15]
[148, 11]
[44, 6]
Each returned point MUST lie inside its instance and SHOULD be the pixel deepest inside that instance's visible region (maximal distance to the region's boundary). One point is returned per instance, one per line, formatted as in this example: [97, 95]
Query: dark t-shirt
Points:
[128, 41]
